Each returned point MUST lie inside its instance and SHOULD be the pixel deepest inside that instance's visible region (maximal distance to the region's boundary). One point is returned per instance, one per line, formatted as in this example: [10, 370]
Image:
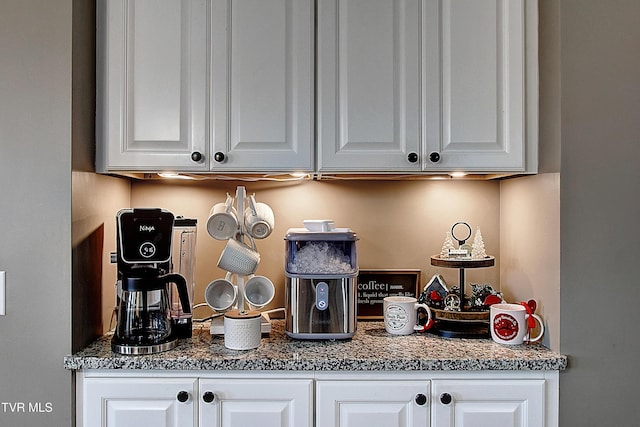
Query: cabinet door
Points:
[368, 86]
[372, 403]
[488, 403]
[264, 403]
[135, 402]
[262, 77]
[152, 103]
[488, 89]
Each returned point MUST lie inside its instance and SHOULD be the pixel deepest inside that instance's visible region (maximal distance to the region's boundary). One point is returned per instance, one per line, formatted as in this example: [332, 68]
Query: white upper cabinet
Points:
[432, 85]
[484, 115]
[197, 85]
[368, 85]
[262, 85]
[380, 86]
[152, 106]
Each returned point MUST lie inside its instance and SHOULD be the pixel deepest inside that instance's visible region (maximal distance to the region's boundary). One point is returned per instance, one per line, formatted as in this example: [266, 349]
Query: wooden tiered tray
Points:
[460, 316]
[465, 323]
[436, 261]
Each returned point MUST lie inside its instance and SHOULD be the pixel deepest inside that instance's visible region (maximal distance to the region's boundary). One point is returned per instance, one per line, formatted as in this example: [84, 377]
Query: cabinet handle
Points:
[182, 396]
[421, 399]
[412, 157]
[208, 397]
[196, 156]
[446, 398]
[434, 157]
[219, 157]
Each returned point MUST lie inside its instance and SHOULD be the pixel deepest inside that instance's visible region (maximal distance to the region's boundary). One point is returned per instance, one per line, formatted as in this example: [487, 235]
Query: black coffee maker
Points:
[144, 321]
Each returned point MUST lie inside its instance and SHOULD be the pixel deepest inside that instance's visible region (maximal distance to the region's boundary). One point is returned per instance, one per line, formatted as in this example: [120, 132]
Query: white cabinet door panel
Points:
[152, 106]
[485, 86]
[262, 79]
[488, 403]
[267, 403]
[371, 404]
[368, 85]
[135, 402]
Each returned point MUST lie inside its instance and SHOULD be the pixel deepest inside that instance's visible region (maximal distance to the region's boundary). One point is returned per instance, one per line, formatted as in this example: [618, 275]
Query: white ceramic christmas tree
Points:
[448, 244]
[477, 249]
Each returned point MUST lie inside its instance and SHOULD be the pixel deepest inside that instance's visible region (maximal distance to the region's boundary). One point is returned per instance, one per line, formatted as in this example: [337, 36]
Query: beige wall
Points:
[530, 246]
[399, 224]
[96, 199]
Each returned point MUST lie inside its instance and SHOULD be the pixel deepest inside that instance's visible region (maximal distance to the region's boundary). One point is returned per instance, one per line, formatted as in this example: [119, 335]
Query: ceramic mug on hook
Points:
[239, 258]
[258, 219]
[221, 294]
[259, 291]
[222, 223]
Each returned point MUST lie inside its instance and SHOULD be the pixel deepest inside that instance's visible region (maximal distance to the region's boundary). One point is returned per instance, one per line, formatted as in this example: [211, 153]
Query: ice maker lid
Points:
[336, 235]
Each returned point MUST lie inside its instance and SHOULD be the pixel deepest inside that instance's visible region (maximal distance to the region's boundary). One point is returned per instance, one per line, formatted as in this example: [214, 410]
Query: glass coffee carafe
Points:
[144, 317]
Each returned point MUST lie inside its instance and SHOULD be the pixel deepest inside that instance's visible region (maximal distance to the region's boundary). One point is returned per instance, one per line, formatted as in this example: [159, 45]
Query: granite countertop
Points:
[371, 349]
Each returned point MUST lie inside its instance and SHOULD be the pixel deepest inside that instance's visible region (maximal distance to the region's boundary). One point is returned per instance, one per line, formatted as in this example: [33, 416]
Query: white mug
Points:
[239, 258]
[509, 324]
[401, 315]
[221, 294]
[259, 291]
[258, 219]
[222, 223]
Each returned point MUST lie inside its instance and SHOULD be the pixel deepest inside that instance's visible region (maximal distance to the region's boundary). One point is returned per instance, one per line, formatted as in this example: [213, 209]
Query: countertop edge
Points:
[74, 364]
[370, 350]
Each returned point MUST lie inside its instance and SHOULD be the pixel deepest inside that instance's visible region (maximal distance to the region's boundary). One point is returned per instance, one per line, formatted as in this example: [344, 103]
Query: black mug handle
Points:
[181, 285]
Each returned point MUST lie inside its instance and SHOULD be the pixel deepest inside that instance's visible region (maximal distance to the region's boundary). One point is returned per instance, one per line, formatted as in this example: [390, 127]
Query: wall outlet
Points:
[2, 293]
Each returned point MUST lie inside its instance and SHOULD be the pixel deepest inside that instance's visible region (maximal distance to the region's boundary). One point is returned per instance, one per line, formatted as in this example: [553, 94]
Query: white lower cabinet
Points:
[327, 399]
[265, 403]
[136, 402]
[488, 403]
[372, 403]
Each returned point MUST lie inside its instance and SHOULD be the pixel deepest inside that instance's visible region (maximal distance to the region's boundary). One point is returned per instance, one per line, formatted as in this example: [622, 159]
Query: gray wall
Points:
[600, 103]
[600, 210]
[35, 202]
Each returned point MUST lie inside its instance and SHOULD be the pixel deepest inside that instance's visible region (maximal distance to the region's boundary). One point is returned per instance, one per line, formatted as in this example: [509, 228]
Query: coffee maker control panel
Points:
[144, 236]
[147, 250]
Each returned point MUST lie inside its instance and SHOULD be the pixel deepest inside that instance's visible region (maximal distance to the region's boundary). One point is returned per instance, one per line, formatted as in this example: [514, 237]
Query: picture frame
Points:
[375, 285]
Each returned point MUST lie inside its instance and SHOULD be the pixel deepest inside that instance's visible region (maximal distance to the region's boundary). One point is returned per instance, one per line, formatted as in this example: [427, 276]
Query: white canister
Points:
[242, 329]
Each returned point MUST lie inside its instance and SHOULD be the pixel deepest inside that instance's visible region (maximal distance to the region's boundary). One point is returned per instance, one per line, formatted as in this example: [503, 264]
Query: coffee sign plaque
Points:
[375, 285]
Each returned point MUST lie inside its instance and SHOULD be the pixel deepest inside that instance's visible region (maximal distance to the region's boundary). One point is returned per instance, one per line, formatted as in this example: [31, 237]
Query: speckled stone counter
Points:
[371, 349]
